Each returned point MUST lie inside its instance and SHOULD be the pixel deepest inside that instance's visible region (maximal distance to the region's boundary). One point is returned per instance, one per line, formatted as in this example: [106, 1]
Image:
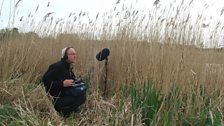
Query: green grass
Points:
[8, 115]
[175, 108]
[133, 105]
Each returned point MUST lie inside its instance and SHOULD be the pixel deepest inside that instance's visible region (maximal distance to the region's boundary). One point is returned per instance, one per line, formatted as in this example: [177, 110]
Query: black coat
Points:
[54, 77]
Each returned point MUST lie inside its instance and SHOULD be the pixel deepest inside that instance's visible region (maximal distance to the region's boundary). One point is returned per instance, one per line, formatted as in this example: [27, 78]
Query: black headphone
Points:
[65, 54]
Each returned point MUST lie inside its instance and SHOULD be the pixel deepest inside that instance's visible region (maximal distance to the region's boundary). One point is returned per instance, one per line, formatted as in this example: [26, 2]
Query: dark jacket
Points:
[54, 77]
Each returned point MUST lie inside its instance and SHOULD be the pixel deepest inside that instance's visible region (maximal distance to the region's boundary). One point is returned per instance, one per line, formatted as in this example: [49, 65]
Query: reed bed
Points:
[159, 71]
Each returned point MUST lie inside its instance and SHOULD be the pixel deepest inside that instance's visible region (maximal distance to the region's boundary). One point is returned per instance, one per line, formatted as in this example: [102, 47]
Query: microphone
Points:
[103, 54]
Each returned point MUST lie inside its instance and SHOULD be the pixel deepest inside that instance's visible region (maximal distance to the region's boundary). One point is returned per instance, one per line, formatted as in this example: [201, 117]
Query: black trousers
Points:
[68, 104]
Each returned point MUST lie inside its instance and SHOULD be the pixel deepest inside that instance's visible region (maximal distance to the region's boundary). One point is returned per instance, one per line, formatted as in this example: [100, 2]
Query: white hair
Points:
[63, 52]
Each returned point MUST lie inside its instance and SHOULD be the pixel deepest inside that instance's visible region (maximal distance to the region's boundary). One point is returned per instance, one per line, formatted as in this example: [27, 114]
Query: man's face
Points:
[71, 55]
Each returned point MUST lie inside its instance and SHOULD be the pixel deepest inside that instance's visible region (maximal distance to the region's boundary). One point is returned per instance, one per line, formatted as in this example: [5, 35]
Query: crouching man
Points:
[59, 80]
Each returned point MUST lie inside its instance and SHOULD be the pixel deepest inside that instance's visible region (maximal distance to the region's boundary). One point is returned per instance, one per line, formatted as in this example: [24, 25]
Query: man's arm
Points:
[49, 78]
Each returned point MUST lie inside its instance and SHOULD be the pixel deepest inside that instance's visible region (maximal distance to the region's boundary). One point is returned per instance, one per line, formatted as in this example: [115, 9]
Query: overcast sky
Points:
[62, 8]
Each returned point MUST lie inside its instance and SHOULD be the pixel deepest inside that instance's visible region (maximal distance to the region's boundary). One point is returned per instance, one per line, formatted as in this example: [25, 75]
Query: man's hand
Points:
[68, 82]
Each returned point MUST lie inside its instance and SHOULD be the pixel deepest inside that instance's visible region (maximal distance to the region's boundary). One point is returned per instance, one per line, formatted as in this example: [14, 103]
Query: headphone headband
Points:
[65, 53]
